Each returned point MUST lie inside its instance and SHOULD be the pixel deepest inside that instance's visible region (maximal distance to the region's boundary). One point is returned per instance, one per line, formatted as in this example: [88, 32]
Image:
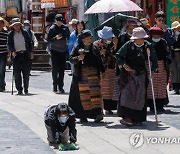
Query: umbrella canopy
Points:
[107, 6]
[93, 21]
[117, 22]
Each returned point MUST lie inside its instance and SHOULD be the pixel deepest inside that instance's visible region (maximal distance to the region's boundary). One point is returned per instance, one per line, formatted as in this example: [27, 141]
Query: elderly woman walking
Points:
[109, 88]
[85, 95]
[131, 59]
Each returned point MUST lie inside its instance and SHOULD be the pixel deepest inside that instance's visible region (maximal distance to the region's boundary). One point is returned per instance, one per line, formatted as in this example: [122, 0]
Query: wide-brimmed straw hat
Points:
[27, 22]
[4, 21]
[73, 21]
[105, 33]
[15, 21]
[175, 24]
[138, 33]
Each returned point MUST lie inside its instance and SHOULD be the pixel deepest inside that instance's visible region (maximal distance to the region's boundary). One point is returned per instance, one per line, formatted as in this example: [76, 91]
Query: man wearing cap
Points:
[3, 53]
[131, 59]
[58, 37]
[175, 74]
[109, 88]
[20, 46]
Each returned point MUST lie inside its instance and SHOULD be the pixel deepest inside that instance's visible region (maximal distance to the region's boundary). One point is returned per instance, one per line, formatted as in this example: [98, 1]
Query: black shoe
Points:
[108, 112]
[83, 120]
[26, 92]
[61, 90]
[1, 90]
[20, 93]
[161, 110]
[177, 92]
[98, 118]
[55, 89]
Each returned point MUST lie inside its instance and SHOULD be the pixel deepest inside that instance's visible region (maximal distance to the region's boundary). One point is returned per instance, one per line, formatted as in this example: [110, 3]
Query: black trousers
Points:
[3, 59]
[58, 67]
[22, 64]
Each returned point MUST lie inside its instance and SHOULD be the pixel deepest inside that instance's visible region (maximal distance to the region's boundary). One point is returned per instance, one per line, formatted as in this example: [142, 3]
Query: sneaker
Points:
[73, 146]
[62, 147]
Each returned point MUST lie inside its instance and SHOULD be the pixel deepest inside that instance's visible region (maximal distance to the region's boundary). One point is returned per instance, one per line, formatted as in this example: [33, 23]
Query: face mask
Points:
[62, 119]
[156, 39]
[129, 34]
[138, 45]
[108, 42]
[26, 27]
[177, 33]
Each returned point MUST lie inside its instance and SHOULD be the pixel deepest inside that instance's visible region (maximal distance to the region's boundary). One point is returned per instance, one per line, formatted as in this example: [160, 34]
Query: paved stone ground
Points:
[108, 137]
[17, 138]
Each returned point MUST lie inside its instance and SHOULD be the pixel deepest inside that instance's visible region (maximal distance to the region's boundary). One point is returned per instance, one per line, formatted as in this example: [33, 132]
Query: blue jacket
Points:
[27, 38]
[72, 41]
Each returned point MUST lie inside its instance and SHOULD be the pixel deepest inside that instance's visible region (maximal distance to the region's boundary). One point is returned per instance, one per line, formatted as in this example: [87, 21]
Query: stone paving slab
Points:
[17, 138]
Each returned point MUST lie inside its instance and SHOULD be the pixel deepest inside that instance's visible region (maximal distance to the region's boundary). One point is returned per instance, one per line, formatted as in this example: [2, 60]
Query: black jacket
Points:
[58, 45]
[51, 119]
[96, 61]
[27, 38]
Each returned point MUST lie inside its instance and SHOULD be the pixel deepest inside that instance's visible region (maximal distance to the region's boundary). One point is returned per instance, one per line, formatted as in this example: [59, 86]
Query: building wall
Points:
[80, 8]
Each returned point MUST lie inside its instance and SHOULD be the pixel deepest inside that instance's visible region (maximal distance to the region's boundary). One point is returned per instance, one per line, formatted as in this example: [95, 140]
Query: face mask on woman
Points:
[130, 34]
[26, 27]
[177, 33]
[62, 120]
[139, 46]
[108, 42]
[156, 39]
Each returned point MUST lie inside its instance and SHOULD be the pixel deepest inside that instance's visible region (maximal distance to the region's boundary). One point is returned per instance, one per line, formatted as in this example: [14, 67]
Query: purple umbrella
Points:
[107, 6]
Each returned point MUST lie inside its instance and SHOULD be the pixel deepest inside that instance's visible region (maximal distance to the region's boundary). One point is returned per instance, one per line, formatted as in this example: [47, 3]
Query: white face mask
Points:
[177, 33]
[63, 120]
[130, 34]
[139, 46]
[26, 27]
[108, 42]
[156, 39]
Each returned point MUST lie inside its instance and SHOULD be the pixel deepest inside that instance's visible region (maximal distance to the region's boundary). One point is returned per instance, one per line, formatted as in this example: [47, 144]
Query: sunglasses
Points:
[161, 20]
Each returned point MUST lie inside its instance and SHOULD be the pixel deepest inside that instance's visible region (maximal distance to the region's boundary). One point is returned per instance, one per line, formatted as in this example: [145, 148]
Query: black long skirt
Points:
[75, 102]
